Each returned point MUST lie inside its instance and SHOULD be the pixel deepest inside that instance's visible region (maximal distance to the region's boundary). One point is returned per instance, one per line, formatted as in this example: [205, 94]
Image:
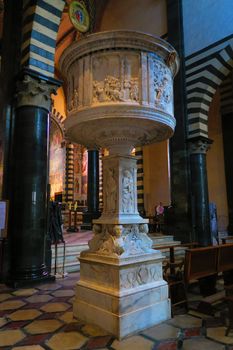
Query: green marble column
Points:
[227, 131]
[92, 189]
[179, 159]
[29, 180]
[199, 189]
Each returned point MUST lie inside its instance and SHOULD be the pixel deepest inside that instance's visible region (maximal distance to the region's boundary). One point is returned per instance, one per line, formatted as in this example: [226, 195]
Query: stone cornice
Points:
[119, 39]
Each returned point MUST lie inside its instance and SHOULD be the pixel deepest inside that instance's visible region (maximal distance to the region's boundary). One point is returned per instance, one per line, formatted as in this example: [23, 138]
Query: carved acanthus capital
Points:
[34, 92]
[200, 145]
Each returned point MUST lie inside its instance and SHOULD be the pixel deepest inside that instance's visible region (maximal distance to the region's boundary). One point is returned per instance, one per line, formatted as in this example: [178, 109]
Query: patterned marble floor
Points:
[41, 318]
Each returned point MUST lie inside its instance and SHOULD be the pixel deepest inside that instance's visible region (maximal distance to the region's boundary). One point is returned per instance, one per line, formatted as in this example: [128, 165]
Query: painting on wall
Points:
[84, 172]
[56, 162]
[77, 172]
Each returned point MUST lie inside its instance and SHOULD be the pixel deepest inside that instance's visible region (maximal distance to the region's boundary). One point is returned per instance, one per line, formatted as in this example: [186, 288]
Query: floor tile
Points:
[185, 321]
[201, 344]
[192, 332]
[67, 317]
[166, 345]
[39, 298]
[29, 314]
[16, 325]
[43, 326]
[218, 334]
[162, 331]
[3, 321]
[35, 339]
[65, 341]
[5, 296]
[98, 342]
[11, 305]
[24, 292]
[63, 293]
[49, 286]
[73, 327]
[135, 342]
[55, 307]
[93, 331]
[11, 337]
[30, 347]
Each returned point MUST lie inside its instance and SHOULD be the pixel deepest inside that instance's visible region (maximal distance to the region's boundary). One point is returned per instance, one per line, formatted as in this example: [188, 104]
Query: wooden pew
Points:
[205, 262]
[200, 262]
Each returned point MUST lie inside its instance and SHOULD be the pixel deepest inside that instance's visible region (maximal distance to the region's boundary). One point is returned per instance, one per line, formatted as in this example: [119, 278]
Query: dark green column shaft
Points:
[227, 131]
[28, 199]
[92, 188]
[29, 179]
[199, 186]
[179, 161]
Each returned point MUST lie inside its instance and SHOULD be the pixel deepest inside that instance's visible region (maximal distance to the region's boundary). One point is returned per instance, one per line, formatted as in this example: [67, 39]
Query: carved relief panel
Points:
[128, 190]
[162, 85]
[115, 77]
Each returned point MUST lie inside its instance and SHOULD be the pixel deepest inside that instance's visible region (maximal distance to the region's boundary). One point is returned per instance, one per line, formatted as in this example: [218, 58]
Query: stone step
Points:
[161, 239]
[71, 259]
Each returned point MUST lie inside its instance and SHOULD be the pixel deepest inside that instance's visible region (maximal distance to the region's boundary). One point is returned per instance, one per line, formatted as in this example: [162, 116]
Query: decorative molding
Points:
[34, 92]
[199, 146]
[141, 275]
[120, 240]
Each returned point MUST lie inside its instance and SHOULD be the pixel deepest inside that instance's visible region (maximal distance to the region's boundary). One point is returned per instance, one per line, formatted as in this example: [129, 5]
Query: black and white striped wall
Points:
[205, 71]
[41, 21]
[140, 175]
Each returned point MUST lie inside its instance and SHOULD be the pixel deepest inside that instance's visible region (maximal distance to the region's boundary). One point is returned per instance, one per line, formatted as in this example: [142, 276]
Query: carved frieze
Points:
[115, 78]
[120, 240]
[141, 275]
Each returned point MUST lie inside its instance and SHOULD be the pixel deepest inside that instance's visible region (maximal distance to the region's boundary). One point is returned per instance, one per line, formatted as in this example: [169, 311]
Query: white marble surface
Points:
[120, 95]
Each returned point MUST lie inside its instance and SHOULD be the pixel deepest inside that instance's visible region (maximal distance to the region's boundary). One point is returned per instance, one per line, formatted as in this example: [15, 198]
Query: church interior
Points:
[116, 207]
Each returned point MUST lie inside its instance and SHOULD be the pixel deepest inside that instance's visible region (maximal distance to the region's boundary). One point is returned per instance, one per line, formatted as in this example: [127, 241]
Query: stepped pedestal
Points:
[122, 296]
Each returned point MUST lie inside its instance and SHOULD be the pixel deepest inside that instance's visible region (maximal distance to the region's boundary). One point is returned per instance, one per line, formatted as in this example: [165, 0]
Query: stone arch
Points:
[203, 77]
[58, 119]
[41, 20]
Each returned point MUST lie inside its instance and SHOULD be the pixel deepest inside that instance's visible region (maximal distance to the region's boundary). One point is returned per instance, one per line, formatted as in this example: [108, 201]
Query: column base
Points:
[28, 277]
[122, 296]
[13, 283]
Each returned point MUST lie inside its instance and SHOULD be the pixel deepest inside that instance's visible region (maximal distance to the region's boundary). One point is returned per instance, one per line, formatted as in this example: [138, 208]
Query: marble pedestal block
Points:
[122, 296]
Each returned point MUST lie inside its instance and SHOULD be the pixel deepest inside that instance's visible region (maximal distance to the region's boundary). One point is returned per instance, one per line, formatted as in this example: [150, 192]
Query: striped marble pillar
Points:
[100, 180]
[140, 186]
[69, 173]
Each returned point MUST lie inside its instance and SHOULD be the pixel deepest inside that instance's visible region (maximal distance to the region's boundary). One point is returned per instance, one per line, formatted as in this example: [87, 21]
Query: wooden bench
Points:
[201, 264]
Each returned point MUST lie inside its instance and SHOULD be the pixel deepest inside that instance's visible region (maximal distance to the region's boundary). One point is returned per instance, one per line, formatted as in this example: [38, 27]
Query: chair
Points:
[174, 275]
[229, 301]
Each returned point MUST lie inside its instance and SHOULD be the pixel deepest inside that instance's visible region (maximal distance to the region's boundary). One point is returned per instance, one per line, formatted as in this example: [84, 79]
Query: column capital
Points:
[34, 89]
[199, 145]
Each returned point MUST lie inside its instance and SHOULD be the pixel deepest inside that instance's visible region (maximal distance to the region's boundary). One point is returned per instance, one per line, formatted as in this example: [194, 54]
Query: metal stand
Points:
[63, 274]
